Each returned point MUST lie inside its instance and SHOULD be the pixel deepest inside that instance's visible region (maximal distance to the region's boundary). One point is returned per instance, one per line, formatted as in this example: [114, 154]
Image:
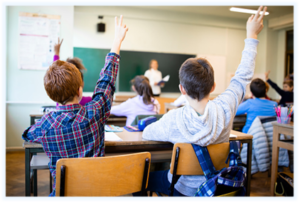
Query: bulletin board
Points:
[37, 36]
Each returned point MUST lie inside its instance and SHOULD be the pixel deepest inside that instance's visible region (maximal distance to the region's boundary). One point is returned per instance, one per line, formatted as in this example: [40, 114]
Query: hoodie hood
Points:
[194, 127]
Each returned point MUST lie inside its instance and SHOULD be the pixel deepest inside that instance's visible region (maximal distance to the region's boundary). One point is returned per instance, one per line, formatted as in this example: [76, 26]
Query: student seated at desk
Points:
[74, 130]
[287, 93]
[143, 104]
[258, 106]
[180, 101]
[203, 121]
[78, 64]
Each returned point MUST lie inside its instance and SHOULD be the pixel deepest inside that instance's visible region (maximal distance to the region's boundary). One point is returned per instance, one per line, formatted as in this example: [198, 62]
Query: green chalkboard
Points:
[93, 60]
[132, 63]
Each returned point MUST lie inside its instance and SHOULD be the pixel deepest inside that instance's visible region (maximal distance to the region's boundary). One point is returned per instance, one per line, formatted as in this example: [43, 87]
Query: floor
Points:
[15, 178]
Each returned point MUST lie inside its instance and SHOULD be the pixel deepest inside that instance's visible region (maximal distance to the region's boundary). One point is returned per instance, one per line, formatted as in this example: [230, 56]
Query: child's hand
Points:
[267, 74]
[120, 32]
[57, 47]
[255, 23]
[120, 29]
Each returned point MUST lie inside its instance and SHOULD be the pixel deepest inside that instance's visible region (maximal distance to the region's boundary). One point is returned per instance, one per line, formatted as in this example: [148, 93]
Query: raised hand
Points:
[120, 33]
[57, 47]
[267, 74]
[120, 29]
[255, 23]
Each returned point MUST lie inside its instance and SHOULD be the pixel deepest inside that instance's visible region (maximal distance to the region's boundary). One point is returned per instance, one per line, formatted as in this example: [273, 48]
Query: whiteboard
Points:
[37, 35]
[219, 65]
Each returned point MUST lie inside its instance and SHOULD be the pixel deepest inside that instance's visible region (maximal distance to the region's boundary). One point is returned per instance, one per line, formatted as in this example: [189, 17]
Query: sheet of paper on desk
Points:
[110, 136]
[232, 136]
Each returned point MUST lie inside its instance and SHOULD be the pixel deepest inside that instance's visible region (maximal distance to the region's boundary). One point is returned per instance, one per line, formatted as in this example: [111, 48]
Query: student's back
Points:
[74, 130]
[203, 121]
[142, 104]
[259, 106]
[256, 107]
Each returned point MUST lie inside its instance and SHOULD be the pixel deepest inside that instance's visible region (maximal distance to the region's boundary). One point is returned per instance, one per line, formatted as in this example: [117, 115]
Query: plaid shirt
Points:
[74, 130]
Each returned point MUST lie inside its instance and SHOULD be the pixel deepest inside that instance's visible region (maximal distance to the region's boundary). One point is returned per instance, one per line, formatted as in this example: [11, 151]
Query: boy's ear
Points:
[182, 90]
[213, 88]
[80, 90]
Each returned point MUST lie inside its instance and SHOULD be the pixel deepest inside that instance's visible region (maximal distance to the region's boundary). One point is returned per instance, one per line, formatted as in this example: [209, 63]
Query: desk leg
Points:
[275, 153]
[249, 160]
[35, 182]
[27, 172]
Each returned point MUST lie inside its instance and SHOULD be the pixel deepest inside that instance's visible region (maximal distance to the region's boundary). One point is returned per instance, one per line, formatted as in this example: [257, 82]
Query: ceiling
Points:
[223, 11]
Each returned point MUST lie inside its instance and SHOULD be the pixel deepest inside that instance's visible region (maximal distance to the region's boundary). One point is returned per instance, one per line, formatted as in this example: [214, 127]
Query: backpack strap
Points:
[234, 155]
[205, 161]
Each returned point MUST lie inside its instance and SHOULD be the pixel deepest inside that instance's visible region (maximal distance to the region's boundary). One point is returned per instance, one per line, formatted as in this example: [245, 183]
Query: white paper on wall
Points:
[37, 36]
[219, 65]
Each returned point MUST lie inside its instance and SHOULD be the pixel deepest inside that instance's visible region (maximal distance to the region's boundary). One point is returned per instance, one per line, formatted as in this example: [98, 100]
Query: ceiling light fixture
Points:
[243, 10]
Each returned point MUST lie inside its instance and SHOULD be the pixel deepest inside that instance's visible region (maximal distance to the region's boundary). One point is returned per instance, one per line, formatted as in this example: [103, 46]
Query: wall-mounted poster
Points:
[37, 35]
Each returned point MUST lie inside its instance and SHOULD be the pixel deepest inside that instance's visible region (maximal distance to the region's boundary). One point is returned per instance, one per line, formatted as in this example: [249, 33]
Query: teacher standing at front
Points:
[154, 77]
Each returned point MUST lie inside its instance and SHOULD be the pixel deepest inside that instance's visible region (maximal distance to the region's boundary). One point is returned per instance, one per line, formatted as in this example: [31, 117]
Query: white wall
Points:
[26, 87]
[149, 30]
[161, 31]
[19, 82]
[173, 32]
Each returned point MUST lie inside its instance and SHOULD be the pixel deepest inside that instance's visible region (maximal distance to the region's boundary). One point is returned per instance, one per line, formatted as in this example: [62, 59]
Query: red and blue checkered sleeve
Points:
[105, 88]
[33, 133]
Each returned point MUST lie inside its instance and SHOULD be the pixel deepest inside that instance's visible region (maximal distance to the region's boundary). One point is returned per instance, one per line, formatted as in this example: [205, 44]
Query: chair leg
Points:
[175, 176]
[50, 182]
[146, 172]
[35, 182]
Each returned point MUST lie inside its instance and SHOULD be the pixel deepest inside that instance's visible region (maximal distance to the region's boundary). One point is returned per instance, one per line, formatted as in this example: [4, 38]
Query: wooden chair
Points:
[103, 176]
[184, 160]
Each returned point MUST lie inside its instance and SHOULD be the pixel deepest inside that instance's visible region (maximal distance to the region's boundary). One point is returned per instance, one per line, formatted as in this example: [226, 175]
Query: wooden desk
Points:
[112, 120]
[133, 142]
[278, 128]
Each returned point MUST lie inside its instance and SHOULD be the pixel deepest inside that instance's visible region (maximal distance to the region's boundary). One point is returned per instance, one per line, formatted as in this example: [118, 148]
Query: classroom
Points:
[157, 40]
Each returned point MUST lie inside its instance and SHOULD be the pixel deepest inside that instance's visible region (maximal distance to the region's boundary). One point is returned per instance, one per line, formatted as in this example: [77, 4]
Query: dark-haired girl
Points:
[142, 104]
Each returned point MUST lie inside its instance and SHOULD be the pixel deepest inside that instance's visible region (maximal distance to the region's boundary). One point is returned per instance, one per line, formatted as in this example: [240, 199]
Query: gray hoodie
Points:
[184, 125]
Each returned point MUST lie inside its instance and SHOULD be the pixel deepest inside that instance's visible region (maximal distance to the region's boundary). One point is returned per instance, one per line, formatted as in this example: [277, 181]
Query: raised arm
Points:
[235, 93]
[274, 85]
[57, 49]
[104, 90]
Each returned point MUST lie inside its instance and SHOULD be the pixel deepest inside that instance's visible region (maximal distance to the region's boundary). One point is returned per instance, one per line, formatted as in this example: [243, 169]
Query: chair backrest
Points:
[102, 176]
[188, 163]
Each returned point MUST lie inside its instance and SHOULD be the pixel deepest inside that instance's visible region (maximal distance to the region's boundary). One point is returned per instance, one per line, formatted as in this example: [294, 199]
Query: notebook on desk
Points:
[232, 136]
